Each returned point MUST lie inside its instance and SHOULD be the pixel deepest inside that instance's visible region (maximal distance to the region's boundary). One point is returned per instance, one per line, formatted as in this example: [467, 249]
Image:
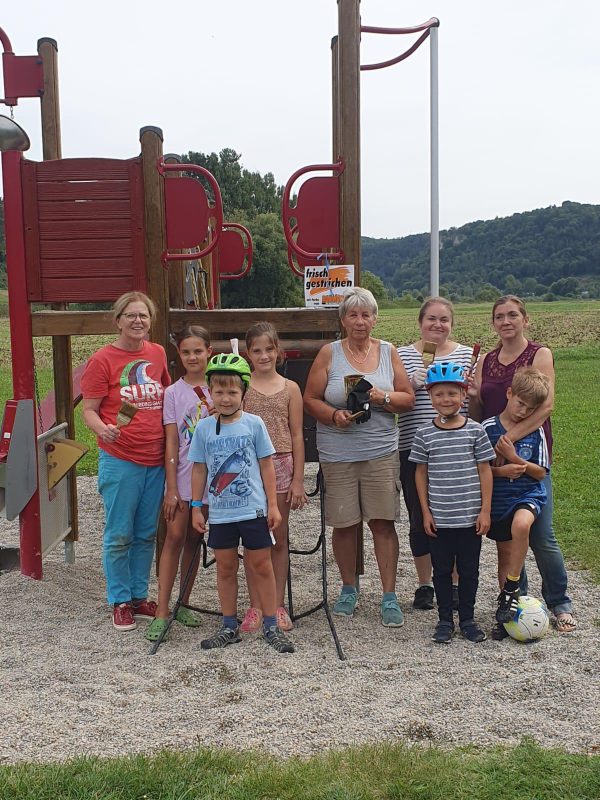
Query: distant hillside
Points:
[550, 250]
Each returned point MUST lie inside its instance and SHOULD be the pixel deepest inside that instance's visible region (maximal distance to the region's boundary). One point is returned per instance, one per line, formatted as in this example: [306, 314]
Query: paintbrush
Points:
[126, 413]
[474, 357]
[203, 398]
[428, 353]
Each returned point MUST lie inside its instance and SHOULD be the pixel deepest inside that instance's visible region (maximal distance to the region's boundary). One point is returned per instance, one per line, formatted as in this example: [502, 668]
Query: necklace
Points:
[355, 357]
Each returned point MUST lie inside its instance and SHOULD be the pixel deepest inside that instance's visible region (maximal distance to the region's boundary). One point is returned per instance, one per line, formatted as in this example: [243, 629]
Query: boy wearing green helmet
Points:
[454, 483]
[231, 453]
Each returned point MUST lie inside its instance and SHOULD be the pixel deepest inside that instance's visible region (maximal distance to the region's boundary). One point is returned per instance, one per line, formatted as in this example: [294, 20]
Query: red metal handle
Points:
[218, 210]
[287, 212]
[424, 26]
[248, 251]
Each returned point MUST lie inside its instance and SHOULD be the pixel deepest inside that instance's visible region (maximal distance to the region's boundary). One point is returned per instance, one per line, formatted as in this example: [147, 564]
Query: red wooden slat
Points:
[85, 229]
[84, 209]
[84, 290]
[108, 248]
[86, 190]
[88, 267]
[83, 169]
[32, 234]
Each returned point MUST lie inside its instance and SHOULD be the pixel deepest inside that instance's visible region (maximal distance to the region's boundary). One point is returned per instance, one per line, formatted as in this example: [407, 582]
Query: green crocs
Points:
[345, 604]
[187, 617]
[156, 629]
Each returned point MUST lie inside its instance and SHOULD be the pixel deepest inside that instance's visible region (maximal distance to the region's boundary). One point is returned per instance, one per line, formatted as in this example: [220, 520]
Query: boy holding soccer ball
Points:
[518, 495]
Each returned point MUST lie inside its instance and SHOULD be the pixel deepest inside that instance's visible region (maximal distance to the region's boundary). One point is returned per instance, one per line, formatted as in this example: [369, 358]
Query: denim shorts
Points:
[253, 533]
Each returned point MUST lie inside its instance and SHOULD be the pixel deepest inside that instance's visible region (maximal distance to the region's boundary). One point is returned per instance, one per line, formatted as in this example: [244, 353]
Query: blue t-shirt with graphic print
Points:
[509, 493]
[234, 483]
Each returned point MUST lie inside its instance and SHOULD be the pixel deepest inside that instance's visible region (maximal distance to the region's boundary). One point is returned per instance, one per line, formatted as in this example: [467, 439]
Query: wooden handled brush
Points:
[428, 353]
[474, 357]
[126, 413]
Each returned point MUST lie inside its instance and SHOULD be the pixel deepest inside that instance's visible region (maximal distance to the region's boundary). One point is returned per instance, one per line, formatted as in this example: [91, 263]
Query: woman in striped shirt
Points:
[436, 318]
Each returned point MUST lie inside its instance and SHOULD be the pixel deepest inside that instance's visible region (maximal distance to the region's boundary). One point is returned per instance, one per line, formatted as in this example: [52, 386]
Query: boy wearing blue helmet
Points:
[454, 484]
[232, 453]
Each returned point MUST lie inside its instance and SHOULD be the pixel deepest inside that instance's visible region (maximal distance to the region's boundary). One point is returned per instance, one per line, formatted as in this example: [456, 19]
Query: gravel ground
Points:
[71, 685]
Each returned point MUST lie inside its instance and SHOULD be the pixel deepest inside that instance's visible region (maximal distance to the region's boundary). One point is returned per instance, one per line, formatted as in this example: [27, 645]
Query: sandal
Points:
[188, 617]
[156, 629]
[565, 622]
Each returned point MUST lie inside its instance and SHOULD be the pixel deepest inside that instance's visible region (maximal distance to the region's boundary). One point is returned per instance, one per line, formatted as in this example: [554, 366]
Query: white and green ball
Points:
[531, 620]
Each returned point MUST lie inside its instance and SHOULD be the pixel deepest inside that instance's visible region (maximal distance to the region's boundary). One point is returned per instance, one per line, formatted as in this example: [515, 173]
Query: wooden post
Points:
[61, 345]
[157, 277]
[346, 133]
[349, 129]
[335, 101]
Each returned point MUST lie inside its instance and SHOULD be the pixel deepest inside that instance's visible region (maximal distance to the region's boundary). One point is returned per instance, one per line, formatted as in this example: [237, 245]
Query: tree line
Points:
[550, 252]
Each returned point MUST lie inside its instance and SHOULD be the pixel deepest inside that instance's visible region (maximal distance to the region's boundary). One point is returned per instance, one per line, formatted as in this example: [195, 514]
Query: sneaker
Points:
[499, 632]
[345, 604]
[391, 614]
[472, 632]
[284, 622]
[123, 619]
[221, 638]
[252, 621]
[507, 605]
[443, 632]
[278, 640]
[144, 609]
[455, 598]
[424, 598]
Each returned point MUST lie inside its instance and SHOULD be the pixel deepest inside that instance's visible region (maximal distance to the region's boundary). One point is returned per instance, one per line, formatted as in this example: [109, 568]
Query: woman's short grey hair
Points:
[358, 297]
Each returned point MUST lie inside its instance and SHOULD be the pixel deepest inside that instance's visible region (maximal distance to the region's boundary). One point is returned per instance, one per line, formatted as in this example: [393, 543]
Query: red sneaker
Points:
[123, 619]
[144, 609]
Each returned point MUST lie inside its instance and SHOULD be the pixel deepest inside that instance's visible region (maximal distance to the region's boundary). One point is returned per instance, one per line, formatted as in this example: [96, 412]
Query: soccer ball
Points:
[531, 621]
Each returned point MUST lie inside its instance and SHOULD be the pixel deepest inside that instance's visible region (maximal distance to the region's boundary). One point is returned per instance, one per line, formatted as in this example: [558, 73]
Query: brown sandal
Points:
[565, 622]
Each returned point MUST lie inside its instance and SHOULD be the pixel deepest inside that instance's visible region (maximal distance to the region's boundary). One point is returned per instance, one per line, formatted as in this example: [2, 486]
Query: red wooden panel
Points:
[85, 267]
[83, 169]
[187, 213]
[89, 244]
[232, 252]
[317, 214]
[84, 209]
[85, 229]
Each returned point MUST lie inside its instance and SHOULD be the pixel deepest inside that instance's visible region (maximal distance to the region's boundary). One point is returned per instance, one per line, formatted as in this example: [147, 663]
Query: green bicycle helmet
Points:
[229, 364]
[445, 372]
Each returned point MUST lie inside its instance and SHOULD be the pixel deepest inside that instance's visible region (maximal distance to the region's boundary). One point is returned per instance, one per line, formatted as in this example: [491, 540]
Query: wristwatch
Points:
[386, 399]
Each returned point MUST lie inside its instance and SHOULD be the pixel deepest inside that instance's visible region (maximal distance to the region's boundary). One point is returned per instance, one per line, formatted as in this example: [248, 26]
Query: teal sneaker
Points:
[345, 604]
[391, 614]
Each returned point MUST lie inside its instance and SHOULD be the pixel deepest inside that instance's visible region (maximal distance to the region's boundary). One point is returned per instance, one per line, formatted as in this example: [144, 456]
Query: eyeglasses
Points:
[130, 317]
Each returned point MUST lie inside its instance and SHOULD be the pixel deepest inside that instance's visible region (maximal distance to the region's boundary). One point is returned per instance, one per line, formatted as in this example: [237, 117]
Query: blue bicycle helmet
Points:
[445, 372]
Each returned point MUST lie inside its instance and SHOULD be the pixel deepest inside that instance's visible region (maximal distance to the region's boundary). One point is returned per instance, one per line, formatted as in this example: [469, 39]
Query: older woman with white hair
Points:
[359, 452]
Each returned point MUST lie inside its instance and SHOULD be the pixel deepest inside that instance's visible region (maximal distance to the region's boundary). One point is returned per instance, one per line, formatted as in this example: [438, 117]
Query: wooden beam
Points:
[236, 321]
[72, 323]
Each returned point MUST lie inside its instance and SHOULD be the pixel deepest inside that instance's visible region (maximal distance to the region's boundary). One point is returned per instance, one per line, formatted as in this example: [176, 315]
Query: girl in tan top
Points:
[278, 402]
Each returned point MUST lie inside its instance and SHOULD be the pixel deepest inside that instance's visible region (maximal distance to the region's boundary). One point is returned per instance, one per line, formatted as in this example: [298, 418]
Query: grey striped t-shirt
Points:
[453, 479]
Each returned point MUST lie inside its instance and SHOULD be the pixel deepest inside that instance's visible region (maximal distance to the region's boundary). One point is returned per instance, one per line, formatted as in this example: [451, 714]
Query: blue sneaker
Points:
[345, 604]
[391, 613]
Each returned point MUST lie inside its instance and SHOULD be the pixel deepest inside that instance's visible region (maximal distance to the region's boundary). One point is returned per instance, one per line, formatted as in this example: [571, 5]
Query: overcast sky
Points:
[519, 86]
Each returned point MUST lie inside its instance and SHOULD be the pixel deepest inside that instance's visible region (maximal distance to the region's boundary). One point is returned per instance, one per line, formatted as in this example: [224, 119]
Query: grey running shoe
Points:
[278, 640]
[424, 598]
[222, 638]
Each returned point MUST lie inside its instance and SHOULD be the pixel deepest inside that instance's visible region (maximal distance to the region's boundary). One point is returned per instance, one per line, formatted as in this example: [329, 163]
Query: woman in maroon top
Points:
[487, 398]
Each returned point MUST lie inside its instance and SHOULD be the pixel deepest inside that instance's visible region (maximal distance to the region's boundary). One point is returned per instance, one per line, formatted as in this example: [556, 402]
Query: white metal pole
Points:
[435, 184]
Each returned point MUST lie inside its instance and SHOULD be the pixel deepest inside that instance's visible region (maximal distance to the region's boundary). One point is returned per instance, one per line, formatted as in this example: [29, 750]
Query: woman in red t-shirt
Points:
[131, 476]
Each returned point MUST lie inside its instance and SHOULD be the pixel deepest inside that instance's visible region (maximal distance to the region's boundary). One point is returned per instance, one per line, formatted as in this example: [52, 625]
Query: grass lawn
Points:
[526, 772]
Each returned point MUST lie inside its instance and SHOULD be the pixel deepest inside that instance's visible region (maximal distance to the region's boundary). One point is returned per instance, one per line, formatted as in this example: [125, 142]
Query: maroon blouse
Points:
[496, 378]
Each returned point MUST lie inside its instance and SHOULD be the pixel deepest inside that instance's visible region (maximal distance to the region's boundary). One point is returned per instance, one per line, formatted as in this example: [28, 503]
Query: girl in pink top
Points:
[278, 402]
[185, 403]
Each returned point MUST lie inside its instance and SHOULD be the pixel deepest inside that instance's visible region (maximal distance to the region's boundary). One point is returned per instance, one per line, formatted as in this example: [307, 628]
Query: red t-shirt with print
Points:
[138, 377]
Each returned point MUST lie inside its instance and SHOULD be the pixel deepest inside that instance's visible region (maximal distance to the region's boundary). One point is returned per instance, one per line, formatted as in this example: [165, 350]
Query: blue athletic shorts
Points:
[253, 533]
